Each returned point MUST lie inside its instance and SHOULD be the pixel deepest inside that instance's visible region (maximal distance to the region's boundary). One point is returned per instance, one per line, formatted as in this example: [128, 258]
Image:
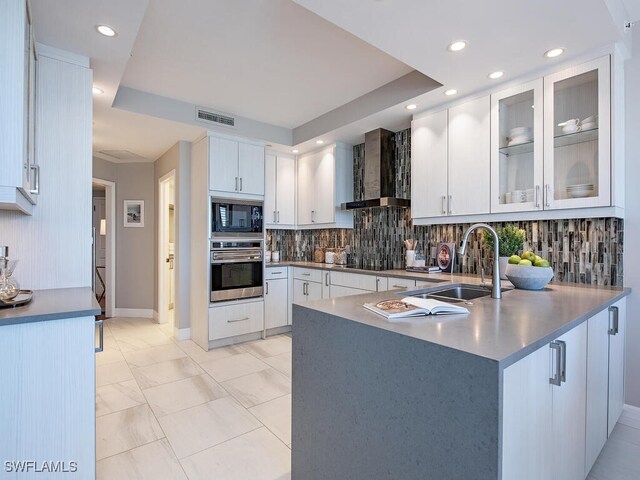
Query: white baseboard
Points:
[182, 333]
[631, 408]
[156, 316]
[133, 312]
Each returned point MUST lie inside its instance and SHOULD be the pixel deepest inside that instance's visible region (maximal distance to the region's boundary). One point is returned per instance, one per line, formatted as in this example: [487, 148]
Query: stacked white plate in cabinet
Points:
[519, 135]
[580, 191]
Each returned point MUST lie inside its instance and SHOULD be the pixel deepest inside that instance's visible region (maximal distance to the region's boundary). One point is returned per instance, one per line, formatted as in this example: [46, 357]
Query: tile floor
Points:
[167, 409]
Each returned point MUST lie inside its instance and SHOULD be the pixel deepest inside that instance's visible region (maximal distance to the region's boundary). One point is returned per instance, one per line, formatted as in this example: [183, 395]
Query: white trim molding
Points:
[133, 312]
[182, 333]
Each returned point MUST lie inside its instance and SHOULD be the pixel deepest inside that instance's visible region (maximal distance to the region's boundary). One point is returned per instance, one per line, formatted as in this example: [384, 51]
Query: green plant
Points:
[511, 240]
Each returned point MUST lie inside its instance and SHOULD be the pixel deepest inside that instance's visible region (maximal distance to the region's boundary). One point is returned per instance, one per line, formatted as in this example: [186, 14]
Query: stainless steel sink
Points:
[457, 293]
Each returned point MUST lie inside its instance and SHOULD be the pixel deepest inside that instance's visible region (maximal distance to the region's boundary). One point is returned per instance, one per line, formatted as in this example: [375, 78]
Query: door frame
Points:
[110, 246]
[163, 205]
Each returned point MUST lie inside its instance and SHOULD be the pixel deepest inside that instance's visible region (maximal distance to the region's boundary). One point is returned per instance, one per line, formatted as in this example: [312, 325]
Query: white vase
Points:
[503, 262]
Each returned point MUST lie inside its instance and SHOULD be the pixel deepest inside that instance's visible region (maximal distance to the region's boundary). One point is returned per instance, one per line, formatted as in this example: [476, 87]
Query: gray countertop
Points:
[53, 304]
[502, 330]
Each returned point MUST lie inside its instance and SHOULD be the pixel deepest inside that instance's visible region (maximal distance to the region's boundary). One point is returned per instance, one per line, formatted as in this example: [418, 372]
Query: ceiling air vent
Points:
[216, 118]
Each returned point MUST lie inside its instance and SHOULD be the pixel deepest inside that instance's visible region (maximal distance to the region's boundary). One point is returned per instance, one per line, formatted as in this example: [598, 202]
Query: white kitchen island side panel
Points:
[47, 398]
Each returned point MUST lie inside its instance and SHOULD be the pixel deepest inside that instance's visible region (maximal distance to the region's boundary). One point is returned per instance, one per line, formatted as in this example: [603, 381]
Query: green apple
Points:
[541, 263]
[514, 259]
[525, 263]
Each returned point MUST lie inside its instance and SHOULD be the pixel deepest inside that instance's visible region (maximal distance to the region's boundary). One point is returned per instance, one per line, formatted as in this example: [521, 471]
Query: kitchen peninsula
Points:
[500, 393]
[47, 353]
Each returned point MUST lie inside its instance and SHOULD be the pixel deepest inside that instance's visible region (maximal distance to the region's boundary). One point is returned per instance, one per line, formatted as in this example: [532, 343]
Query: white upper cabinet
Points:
[280, 189]
[236, 167]
[429, 165]
[325, 182]
[469, 158]
[450, 161]
[19, 173]
[577, 136]
[516, 148]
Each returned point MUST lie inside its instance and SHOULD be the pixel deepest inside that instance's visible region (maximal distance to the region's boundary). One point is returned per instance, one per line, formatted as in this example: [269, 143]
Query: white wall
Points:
[54, 245]
[177, 158]
[632, 219]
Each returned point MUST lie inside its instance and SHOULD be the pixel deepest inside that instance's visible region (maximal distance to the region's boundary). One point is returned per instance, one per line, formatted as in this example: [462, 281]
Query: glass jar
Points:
[9, 287]
[318, 255]
[329, 255]
[341, 256]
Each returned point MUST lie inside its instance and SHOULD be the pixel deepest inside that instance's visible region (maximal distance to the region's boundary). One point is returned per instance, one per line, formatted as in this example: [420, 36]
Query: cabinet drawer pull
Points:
[547, 194]
[399, 286]
[613, 326]
[101, 329]
[305, 274]
[238, 320]
[36, 182]
[276, 273]
[556, 380]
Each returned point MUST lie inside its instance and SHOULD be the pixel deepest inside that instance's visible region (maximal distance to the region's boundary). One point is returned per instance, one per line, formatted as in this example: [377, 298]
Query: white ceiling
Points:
[276, 62]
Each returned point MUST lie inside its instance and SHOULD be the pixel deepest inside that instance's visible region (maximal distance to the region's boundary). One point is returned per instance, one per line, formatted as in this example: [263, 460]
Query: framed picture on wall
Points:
[134, 213]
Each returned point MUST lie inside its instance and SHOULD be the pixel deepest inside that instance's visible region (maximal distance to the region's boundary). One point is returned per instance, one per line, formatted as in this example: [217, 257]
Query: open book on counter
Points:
[413, 307]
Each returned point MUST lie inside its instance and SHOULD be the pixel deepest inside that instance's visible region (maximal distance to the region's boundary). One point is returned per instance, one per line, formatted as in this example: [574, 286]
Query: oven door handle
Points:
[236, 260]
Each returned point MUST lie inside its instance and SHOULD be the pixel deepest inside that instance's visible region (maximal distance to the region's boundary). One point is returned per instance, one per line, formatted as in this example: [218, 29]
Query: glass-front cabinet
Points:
[577, 137]
[517, 153]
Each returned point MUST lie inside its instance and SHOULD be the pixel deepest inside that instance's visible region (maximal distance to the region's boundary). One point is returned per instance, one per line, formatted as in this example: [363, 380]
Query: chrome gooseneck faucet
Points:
[495, 287]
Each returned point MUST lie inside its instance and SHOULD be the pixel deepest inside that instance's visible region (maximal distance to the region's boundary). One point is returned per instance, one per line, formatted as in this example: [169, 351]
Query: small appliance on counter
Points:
[10, 293]
[446, 256]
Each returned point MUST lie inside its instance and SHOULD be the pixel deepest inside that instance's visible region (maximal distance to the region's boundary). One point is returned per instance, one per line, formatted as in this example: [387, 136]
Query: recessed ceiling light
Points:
[106, 30]
[495, 75]
[554, 52]
[411, 106]
[451, 91]
[457, 46]
[319, 142]
[97, 91]
[294, 151]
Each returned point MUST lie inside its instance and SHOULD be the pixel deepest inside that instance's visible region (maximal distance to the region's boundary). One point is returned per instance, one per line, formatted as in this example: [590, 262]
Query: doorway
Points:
[103, 221]
[167, 252]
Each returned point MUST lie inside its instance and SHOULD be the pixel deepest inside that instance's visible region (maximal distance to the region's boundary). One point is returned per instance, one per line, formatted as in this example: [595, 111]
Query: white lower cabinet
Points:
[236, 319]
[605, 369]
[306, 291]
[543, 428]
[275, 303]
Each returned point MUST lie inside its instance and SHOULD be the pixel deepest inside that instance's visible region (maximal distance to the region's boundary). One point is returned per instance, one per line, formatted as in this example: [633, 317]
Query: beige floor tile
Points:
[276, 416]
[121, 431]
[259, 387]
[281, 362]
[109, 355]
[149, 356]
[619, 460]
[175, 396]
[270, 347]
[118, 396]
[231, 367]
[116, 372]
[153, 461]
[165, 372]
[257, 455]
[128, 322]
[133, 342]
[199, 355]
[630, 418]
[626, 433]
[194, 429]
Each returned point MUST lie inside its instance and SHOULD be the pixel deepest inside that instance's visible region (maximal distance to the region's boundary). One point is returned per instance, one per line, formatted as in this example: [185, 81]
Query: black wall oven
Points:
[236, 218]
[236, 269]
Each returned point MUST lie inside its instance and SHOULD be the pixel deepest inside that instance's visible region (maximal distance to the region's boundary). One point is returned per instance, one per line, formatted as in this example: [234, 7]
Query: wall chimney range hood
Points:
[379, 172]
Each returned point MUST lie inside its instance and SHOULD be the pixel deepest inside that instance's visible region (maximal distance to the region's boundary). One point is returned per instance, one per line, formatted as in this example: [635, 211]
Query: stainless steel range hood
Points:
[379, 172]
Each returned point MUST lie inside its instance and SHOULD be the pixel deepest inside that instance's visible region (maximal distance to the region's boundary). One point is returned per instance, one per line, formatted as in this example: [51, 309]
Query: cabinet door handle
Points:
[240, 183]
[274, 216]
[266, 284]
[326, 279]
[101, 330]
[36, 180]
[306, 288]
[444, 204]
[537, 196]
[450, 204]
[377, 284]
[563, 362]
[278, 216]
[547, 194]
[238, 320]
[613, 326]
[556, 380]
[312, 215]
[236, 184]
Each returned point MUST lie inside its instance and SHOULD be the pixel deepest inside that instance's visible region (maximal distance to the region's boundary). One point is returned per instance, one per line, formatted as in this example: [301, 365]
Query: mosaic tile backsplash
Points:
[588, 251]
